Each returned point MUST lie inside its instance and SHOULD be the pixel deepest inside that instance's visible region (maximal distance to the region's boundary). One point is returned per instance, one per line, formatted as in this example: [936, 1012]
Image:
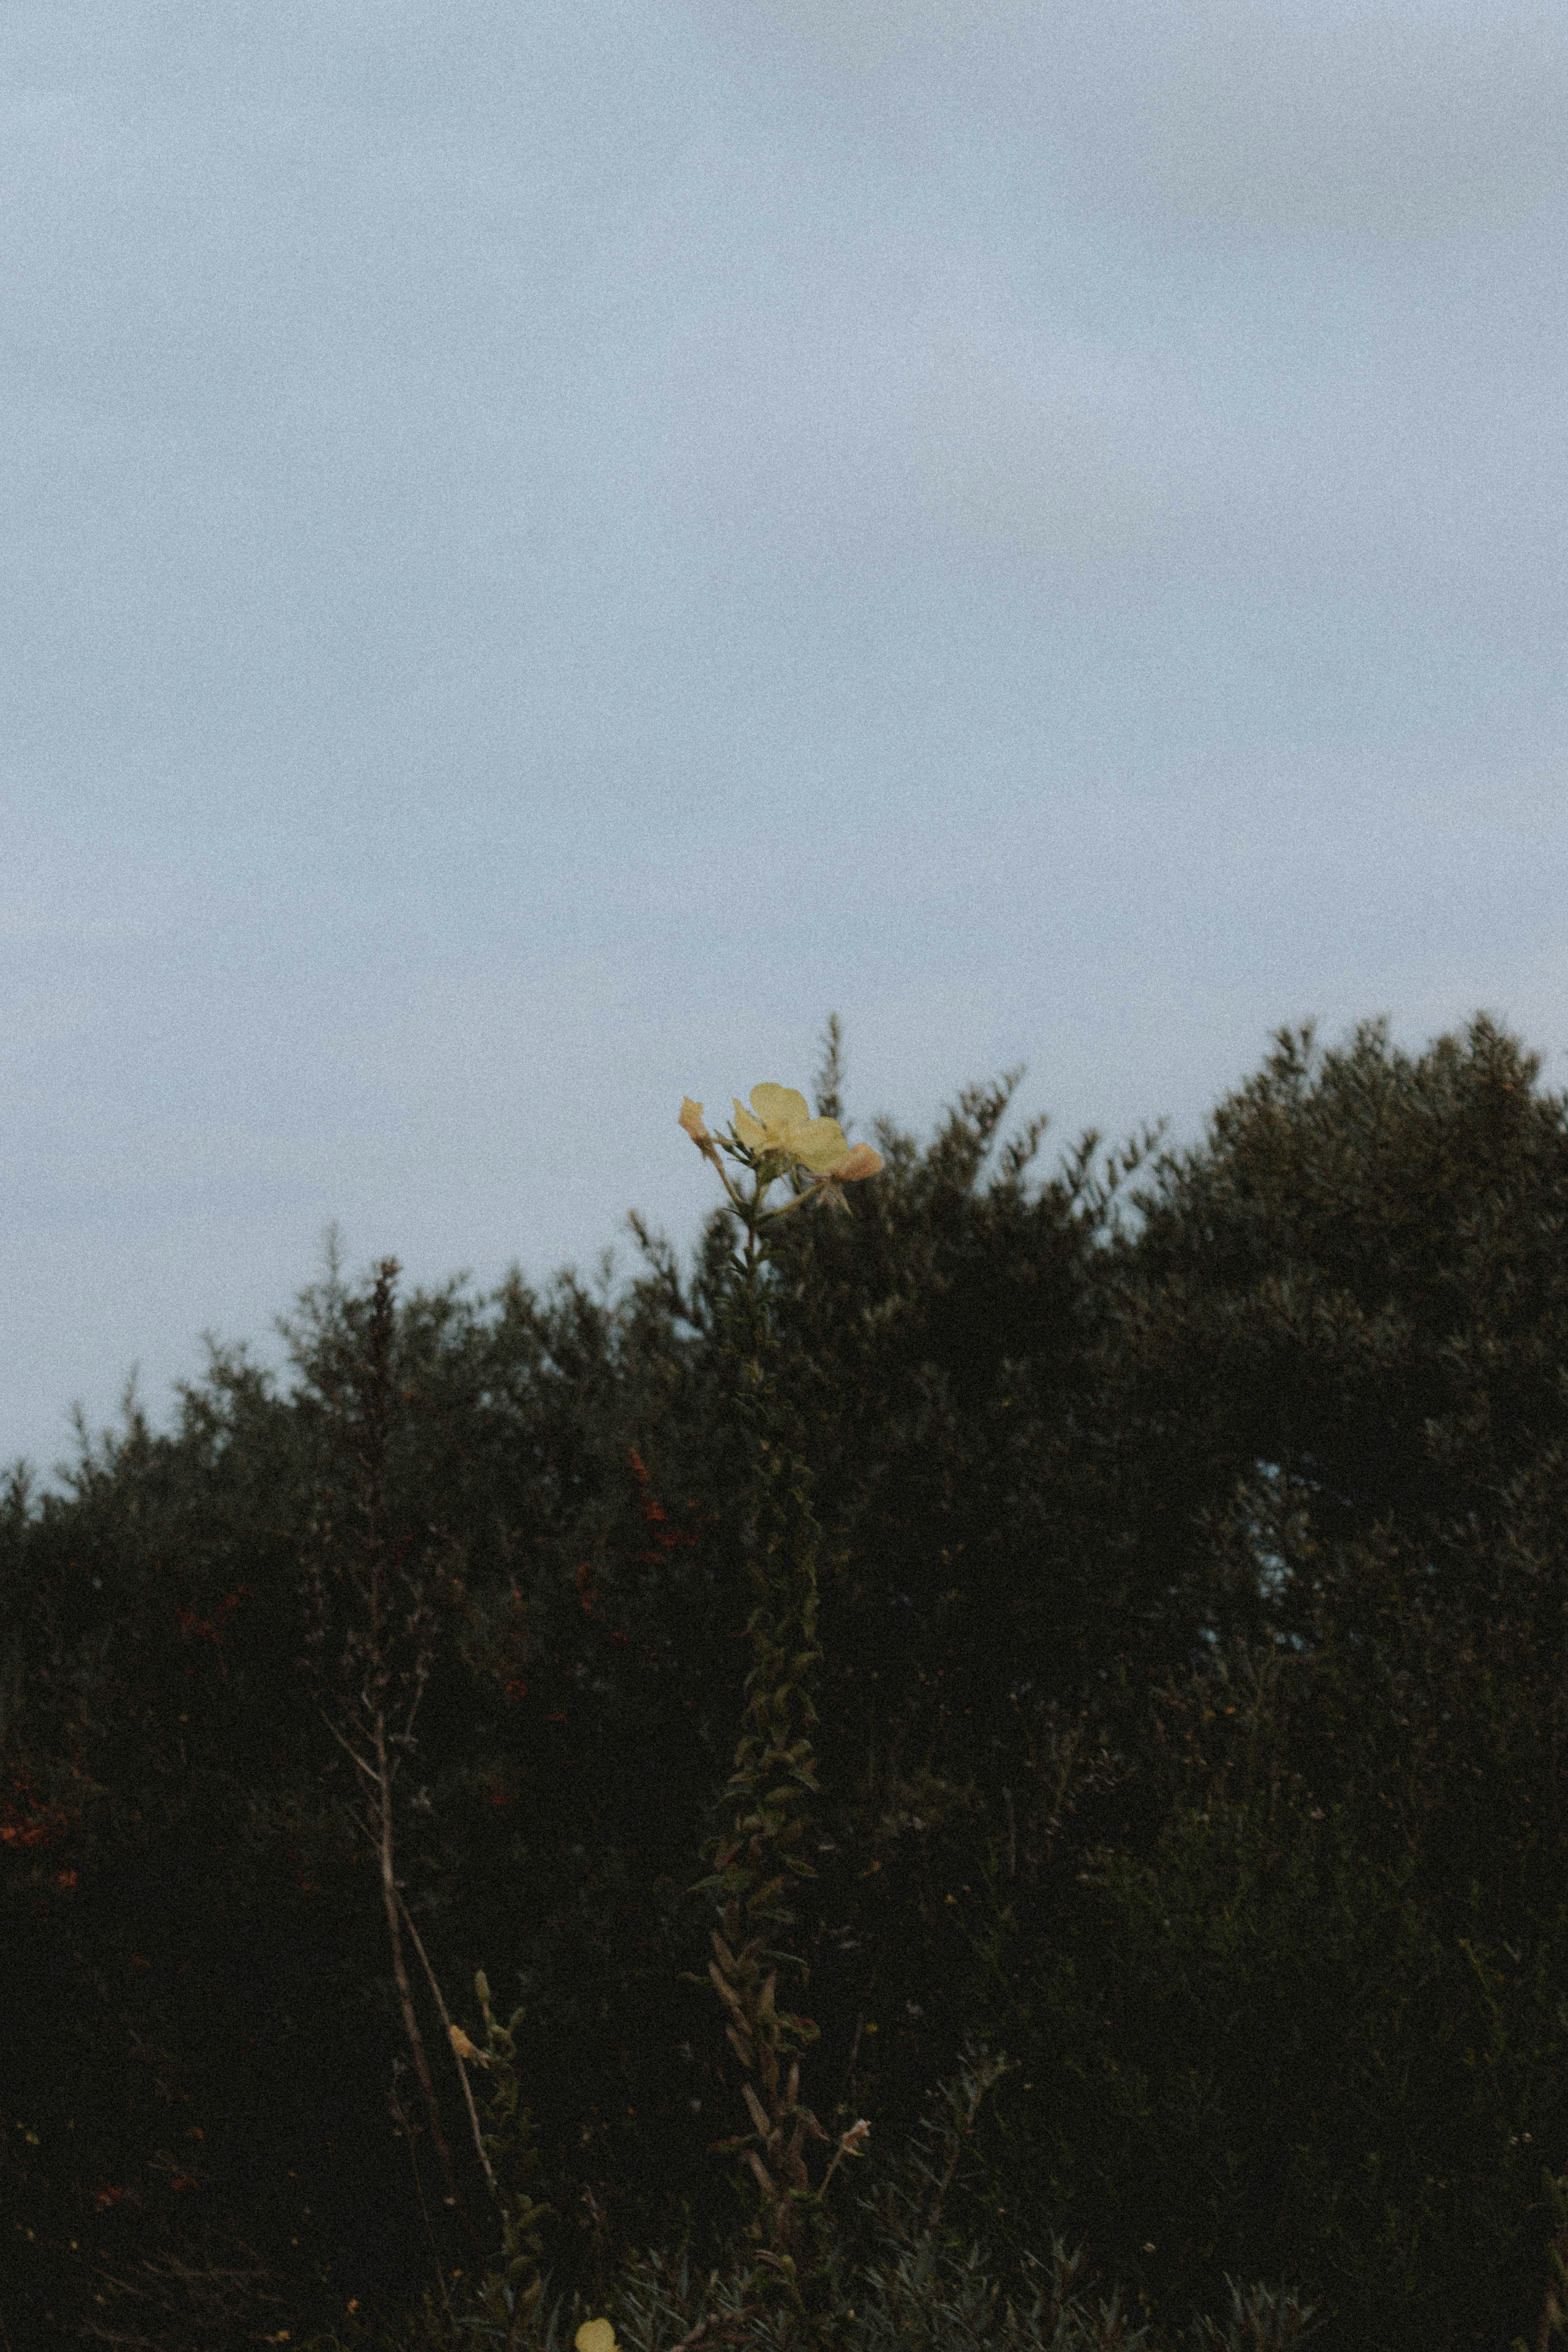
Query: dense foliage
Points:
[1192, 1718]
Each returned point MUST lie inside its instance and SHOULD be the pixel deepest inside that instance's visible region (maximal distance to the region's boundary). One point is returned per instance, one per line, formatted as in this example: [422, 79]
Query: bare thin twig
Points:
[456, 2056]
[369, 1835]
[370, 1701]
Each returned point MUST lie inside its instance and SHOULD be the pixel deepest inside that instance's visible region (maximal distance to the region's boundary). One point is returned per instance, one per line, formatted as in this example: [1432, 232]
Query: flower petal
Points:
[595, 2335]
[752, 1131]
[861, 1161]
[691, 1120]
[817, 1143]
[779, 1106]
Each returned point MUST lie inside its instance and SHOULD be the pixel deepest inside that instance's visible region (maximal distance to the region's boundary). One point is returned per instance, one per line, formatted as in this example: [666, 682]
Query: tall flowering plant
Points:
[758, 1855]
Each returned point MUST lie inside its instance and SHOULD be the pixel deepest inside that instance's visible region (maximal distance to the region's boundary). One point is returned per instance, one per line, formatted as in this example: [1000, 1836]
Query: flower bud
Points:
[692, 1121]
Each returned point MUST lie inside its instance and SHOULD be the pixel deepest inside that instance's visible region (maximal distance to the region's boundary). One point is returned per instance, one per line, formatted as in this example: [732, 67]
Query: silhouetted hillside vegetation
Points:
[1193, 1730]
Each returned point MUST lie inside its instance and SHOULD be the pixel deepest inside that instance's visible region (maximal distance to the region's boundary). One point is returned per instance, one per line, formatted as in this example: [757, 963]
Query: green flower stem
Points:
[762, 1854]
[759, 1856]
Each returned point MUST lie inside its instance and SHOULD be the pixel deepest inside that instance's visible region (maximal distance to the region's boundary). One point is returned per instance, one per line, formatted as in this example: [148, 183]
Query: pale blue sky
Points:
[541, 548]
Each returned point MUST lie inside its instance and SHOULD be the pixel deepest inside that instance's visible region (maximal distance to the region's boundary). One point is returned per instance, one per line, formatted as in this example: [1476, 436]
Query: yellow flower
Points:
[595, 2335]
[779, 1121]
[464, 2047]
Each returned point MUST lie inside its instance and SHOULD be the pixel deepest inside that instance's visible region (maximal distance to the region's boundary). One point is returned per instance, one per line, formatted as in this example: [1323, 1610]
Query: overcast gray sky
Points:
[543, 547]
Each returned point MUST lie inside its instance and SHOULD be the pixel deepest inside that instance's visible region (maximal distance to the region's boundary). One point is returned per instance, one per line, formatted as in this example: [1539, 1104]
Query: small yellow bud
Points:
[692, 1121]
[595, 2335]
[464, 2047]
